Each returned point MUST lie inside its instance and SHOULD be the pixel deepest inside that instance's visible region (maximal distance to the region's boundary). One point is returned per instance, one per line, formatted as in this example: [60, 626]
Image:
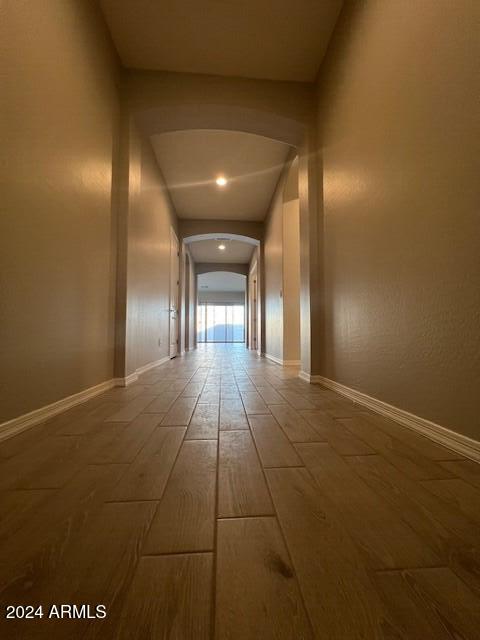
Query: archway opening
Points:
[221, 307]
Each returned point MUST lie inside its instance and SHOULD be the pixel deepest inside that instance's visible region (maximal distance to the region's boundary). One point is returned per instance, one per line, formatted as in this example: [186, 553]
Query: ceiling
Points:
[221, 281]
[276, 40]
[191, 161]
[208, 251]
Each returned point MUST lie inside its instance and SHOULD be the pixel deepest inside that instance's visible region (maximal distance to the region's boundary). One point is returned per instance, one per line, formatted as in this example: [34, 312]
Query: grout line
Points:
[282, 534]
[102, 464]
[413, 568]
[213, 607]
[249, 517]
[175, 553]
[353, 455]
[132, 500]
[292, 466]
[13, 489]
[147, 532]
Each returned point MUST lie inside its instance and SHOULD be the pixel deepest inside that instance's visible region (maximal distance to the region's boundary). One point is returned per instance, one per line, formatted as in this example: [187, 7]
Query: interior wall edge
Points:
[14, 426]
[453, 440]
[282, 363]
[21, 423]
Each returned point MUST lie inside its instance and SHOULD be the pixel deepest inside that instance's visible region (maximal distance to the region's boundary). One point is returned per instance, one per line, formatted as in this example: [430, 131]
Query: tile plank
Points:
[163, 403]
[130, 441]
[295, 427]
[402, 456]
[296, 400]
[273, 446]
[184, 520]
[45, 466]
[467, 470]
[232, 414]
[146, 477]
[70, 571]
[180, 608]
[257, 591]
[419, 443]
[242, 490]
[444, 528]
[253, 402]
[132, 409]
[443, 600]
[210, 394]
[329, 567]
[459, 494]
[269, 395]
[336, 434]
[204, 423]
[180, 412]
[383, 538]
[63, 512]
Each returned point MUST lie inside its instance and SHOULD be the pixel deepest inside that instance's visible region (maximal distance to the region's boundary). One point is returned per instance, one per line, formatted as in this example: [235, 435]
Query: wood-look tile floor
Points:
[222, 497]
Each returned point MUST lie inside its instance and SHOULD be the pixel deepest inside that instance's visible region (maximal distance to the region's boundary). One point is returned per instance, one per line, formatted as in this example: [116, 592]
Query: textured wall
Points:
[58, 129]
[148, 281]
[399, 138]
[282, 269]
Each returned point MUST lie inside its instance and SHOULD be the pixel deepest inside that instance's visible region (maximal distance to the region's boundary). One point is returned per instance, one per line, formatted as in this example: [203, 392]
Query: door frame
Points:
[174, 243]
[253, 306]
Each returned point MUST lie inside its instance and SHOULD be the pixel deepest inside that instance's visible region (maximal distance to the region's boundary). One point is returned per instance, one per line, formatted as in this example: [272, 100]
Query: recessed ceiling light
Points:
[221, 181]
[222, 247]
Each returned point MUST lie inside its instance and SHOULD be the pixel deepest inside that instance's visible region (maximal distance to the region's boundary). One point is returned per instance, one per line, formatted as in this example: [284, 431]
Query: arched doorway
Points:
[228, 307]
[155, 106]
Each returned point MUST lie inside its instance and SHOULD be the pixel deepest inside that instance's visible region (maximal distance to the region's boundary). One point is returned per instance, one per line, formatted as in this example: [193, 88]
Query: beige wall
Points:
[58, 129]
[167, 101]
[282, 269]
[399, 138]
[148, 280]
[291, 281]
[273, 256]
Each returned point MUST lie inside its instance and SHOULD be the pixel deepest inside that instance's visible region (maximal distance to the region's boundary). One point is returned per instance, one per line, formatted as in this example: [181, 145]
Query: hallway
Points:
[252, 504]
[239, 320]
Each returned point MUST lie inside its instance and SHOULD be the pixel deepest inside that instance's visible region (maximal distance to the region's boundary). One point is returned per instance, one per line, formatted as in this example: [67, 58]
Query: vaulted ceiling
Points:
[269, 39]
[207, 251]
[192, 160]
[281, 40]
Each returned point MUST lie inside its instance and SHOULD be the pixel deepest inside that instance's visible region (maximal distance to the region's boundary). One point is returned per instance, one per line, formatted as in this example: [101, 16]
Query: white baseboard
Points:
[133, 377]
[309, 378]
[27, 420]
[16, 425]
[152, 365]
[124, 382]
[273, 359]
[446, 437]
[282, 363]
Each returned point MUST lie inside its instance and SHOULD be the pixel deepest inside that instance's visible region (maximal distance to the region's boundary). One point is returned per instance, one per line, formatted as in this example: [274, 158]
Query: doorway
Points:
[220, 322]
